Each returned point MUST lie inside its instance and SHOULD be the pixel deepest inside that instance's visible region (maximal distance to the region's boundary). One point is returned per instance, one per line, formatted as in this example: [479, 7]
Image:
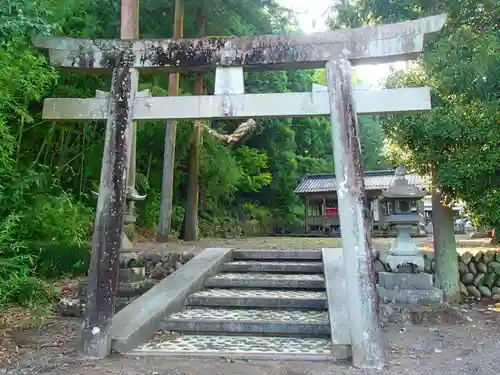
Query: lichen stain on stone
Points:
[221, 51]
[82, 58]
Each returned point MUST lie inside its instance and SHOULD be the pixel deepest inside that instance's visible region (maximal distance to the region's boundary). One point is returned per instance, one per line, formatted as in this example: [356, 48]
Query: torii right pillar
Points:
[361, 294]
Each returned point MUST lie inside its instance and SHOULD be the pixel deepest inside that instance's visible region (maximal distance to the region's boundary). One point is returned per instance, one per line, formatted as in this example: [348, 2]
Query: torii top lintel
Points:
[379, 44]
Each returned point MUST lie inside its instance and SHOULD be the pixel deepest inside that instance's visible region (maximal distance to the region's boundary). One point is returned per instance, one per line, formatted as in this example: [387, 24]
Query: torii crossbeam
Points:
[378, 44]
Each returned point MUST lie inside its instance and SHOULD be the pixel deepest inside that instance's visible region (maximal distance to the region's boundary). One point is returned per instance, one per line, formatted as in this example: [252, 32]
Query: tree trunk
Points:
[167, 187]
[192, 205]
[445, 248]
[495, 236]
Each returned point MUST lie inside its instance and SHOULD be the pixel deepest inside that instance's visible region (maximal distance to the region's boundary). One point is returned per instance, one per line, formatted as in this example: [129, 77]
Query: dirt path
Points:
[468, 342]
[284, 243]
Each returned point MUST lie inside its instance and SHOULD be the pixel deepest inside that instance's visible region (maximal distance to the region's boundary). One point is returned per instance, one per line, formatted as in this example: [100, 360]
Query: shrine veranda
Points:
[338, 51]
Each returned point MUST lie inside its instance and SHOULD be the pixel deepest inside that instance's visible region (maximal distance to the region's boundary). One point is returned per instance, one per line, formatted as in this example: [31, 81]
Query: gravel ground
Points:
[284, 243]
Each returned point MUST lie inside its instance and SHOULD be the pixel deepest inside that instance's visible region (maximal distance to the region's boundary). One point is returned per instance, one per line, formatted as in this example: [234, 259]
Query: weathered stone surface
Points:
[466, 258]
[259, 298]
[70, 307]
[416, 297]
[132, 274]
[404, 314]
[401, 188]
[242, 105]
[140, 319]
[393, 262]
[484, 290]
[277, 254]
[336, 291]
[473, 291]
[361, 300]
[379, 44]
[267, 281]
[397, 280]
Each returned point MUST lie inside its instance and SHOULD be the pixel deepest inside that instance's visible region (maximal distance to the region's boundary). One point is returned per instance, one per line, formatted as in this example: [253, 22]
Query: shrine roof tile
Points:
[374, 180]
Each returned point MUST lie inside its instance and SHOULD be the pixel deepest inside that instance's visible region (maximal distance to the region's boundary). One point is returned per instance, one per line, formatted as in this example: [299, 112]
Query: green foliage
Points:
[252, 163]
[459, 137]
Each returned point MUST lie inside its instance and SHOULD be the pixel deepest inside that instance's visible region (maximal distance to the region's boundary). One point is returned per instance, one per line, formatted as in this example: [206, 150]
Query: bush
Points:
[56, 259]
[17, 285]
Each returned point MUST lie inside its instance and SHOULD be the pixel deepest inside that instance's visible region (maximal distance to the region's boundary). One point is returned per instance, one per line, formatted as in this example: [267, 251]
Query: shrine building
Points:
[319, 192]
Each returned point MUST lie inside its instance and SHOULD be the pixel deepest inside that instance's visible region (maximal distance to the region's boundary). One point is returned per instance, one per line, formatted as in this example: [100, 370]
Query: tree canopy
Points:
[459, 137]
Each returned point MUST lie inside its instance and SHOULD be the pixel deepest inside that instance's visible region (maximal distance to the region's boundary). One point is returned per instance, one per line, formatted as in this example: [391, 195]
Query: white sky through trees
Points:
[311, 18]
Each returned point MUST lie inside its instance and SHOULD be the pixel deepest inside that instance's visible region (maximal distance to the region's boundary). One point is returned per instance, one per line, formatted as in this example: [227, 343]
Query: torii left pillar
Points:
[108, 228]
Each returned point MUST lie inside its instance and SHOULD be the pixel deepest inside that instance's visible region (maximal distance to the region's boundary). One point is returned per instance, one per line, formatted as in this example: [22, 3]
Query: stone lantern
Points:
[406, 282]
[402, 201]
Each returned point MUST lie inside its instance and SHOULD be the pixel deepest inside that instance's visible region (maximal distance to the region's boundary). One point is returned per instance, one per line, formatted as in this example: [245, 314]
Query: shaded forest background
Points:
[48, 170]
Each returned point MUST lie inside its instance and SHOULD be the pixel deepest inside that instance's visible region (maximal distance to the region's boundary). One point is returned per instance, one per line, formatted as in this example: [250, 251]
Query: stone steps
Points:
[245, 321]
[263, 304]
[267, 281]
[273, 266]
[276, 348]
[303, 255]
[259, 298]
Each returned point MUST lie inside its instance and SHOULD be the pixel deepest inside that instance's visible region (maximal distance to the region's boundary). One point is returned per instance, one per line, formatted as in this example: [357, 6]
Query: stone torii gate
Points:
[338, 51]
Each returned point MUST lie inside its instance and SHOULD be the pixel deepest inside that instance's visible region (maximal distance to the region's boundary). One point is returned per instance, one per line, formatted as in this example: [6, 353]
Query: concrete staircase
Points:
[263, 304]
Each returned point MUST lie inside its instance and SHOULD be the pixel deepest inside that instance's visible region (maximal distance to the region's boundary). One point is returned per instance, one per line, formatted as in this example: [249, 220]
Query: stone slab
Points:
[295, 104]
[405, 281]
[260, 315]
[132, 274]
[255, 327]
[258, 298]
[242, 347]
[138, 322]
[408, 314]
[415, 297]
[277, 254]
[370, 45]
[336, 291]
[125, 289]
[282, 267]
[267, 281]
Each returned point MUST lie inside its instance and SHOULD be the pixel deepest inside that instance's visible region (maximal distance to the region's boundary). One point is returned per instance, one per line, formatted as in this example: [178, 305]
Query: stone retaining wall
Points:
[139, 273]
[479, 273]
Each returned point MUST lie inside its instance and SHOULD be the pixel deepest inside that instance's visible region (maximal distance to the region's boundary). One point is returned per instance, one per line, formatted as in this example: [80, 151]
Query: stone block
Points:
[138, 321]
[132, 274]
[400, 280]
[396, 261]
[336, 291]
[415, 296]
[304, 329]
[267, 281]
[273, 267]
[277, 255]
[272, 299]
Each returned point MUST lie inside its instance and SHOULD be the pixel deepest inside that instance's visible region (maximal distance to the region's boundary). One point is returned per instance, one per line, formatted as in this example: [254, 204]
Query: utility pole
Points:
[167, 186]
